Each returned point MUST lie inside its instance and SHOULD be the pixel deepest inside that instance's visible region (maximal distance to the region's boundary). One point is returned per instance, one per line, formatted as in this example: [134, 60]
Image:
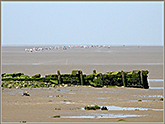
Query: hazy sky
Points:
[109, 23]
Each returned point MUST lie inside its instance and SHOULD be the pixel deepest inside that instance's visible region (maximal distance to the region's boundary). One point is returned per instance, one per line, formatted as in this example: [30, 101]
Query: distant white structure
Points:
[39, 49]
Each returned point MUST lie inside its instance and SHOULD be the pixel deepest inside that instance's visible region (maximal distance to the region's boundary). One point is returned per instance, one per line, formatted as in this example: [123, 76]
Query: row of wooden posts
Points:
[141, 83]
[135, 78]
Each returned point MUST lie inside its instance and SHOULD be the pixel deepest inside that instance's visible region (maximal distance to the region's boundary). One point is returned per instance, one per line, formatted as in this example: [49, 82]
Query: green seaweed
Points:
[161, 99]
[25, 94]
[92, 107]
[57, 108]
[121, 120]
[104, 108]
[36, 76]
[56, 116]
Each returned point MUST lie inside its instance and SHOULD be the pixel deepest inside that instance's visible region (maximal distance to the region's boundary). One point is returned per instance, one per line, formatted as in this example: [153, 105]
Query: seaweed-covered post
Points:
[124, 79]
[141, 78]
[145, 82]
[59, 77]
[81, 78]
[94, 72]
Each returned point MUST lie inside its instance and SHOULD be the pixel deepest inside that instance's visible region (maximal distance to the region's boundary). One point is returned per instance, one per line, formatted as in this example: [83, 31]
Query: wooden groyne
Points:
[135, 78]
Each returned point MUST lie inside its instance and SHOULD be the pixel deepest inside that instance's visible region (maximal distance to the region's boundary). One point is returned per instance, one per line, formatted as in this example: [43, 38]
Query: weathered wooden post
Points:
[94, 72]
[59, 77]
[124, 79]
[145, 82]
[143, 79]
[81, 78]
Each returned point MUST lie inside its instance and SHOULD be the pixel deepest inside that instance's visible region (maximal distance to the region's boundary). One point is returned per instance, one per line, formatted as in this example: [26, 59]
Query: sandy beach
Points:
[129, 104]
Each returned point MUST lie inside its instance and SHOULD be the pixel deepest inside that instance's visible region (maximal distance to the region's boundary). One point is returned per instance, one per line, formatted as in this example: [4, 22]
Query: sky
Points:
[82, 23]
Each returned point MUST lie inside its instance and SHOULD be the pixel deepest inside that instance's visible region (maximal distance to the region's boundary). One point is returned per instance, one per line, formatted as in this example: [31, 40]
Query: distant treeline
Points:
[135, 78]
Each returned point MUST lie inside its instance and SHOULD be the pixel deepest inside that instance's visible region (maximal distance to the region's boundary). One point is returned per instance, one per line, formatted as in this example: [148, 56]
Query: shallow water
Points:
[156, 88]
[56, 96]
[117, 108]
[144, 100]
[155, 95]
[104, 116]
[157, 80]
[149, 95]
[103, 97]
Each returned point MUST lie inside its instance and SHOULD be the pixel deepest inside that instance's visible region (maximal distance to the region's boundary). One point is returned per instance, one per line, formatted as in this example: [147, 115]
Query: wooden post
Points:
[94, 71]
[123, 79]
[141, 78]
[145, 82]
[81, 78]
[59, 77]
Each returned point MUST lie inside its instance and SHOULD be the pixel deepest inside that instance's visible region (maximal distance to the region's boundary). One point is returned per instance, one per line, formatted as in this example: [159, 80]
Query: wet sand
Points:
[40, 106]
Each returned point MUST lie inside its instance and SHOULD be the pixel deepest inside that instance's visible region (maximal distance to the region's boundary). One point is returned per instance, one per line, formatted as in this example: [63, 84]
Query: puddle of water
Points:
[117, 108]
[50, 96]
[102, 97]
[149, 95]
[71, 93]
[156, 87]
[57, 96]
[104, 116]
[67, 102]
[118, 116]
[77, 117]
[157, 80]
[155, 95]
[131, 108]
[144, 100]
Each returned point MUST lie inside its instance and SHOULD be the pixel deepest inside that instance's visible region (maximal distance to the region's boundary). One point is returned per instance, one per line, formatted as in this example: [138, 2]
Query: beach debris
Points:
[22, 121]
[57, 108]
[92, 107]
[161, 99]
[26, 93]
[104, 108]
[56, 116]
[95, 107]
[121, 120]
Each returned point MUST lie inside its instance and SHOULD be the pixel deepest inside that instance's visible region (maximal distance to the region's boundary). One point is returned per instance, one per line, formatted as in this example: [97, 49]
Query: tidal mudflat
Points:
[65, 103]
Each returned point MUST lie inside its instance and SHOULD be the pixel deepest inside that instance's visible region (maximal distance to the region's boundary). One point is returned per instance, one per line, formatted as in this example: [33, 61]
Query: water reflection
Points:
[105, 116]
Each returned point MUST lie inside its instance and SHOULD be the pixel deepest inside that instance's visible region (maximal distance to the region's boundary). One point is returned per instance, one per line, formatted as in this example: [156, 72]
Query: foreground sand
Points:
[40, 106]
